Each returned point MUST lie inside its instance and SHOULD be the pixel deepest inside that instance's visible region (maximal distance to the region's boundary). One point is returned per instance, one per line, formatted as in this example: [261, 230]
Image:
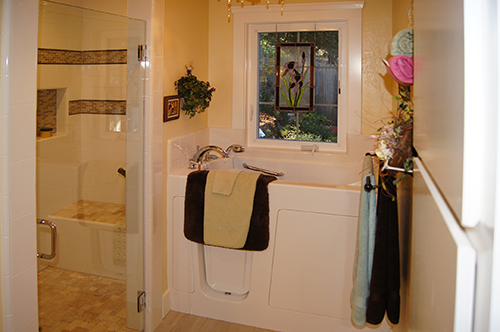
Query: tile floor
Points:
[71, 301]
[179, 322]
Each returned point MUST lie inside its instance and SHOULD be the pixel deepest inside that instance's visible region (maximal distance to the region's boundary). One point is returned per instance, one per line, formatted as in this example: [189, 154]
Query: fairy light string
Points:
[242, 2]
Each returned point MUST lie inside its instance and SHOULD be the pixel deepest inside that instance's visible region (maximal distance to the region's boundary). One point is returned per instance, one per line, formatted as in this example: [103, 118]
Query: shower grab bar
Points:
[265, 171]
[53, 235]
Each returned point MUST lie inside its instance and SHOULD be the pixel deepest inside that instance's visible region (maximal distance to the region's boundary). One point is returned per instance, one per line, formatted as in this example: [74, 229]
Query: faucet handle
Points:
[236, 148]
[194, 165]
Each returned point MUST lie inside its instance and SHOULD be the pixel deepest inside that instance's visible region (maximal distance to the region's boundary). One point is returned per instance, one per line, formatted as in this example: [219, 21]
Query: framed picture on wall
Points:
[171, 108]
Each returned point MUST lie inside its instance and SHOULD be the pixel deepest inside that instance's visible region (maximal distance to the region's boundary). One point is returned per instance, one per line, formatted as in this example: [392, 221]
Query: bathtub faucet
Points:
[198, 156]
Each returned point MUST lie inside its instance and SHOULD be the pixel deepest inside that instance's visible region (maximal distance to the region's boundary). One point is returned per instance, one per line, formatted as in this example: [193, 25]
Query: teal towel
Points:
[365, 244]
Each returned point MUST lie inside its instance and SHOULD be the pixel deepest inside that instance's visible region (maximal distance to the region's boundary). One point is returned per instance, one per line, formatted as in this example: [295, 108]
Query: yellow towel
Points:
[224, 181]
[227, 217]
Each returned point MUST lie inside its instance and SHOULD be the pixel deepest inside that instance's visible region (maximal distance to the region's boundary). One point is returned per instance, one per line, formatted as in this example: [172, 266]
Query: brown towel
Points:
[194, 207]
[385, 280]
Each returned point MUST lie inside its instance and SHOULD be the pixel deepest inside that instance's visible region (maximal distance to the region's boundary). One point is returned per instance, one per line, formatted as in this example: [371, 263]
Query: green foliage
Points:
[312, 127]
[195, 94]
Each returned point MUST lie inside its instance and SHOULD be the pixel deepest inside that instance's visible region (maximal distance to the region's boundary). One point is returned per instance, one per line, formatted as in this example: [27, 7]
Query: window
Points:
[323, 53]
[298, 97]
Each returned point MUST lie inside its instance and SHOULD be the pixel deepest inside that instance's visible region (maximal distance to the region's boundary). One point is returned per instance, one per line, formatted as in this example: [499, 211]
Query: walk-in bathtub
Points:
[302, 282]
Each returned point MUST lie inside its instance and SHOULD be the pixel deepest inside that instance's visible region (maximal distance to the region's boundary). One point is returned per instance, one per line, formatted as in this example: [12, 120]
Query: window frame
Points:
[308, 17]
[253, 85]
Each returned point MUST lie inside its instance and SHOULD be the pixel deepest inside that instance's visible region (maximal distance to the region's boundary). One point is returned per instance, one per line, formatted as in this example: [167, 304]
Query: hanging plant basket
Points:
[195, 94]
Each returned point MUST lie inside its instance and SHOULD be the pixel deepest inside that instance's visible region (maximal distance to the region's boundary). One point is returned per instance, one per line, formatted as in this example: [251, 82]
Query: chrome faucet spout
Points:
[197, 158]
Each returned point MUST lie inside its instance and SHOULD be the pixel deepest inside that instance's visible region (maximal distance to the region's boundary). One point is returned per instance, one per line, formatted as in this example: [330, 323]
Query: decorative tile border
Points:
[46, 110]
[68, 57]
[105, 57]
[85, 106]
[59, 57]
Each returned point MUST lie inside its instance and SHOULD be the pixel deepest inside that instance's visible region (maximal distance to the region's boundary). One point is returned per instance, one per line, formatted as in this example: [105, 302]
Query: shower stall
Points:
[90, 149]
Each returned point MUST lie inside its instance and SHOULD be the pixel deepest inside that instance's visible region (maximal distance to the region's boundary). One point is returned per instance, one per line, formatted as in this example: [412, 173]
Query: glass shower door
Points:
[90, 162]
[136, 64]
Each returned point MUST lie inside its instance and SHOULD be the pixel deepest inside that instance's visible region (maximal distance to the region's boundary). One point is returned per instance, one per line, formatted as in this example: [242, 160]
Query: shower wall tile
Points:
[51, 35]
[59, 76]
[118, 7]
[57, 185]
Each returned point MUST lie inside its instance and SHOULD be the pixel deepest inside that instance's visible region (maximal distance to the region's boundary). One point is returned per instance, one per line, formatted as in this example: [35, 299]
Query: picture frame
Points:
[295, 65]
[171, 108]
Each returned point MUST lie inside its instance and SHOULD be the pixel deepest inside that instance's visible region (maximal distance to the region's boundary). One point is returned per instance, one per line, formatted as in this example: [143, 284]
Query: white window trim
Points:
[349, 13]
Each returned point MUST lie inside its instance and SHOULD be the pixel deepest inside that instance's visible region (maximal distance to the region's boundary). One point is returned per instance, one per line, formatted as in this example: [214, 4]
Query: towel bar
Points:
[265, 171]
[369, 187]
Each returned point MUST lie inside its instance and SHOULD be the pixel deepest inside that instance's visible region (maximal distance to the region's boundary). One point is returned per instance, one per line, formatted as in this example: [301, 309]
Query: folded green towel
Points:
[227, 217]
[194, 210]
[224, 180]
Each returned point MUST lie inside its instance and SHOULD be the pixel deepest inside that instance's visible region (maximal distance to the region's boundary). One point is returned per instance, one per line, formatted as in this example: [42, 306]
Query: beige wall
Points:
[186, 42]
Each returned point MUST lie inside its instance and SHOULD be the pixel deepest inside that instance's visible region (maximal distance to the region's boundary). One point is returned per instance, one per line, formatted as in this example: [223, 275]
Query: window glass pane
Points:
[327, 49]
[327, 86]
[267, 83]
[267, 49]
[272, 123]
[330, 112]
[317, 126]
[287, 37]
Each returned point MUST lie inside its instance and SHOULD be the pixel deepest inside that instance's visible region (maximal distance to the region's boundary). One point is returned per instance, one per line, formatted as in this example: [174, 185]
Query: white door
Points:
[442, 264]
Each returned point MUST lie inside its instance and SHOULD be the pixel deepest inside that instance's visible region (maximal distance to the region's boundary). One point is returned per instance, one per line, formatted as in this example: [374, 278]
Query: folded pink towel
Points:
[400, 67]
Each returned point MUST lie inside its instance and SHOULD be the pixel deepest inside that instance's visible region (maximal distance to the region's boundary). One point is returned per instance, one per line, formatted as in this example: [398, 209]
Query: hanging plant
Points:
[195, 94]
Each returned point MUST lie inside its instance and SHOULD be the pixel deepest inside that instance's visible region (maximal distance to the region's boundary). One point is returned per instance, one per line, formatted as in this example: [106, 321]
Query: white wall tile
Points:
[6, 259]
[23, 242]
[31, 326]
[22, 188]
[23, 65]
[23, 119]
[25, 23]
[24, 291]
